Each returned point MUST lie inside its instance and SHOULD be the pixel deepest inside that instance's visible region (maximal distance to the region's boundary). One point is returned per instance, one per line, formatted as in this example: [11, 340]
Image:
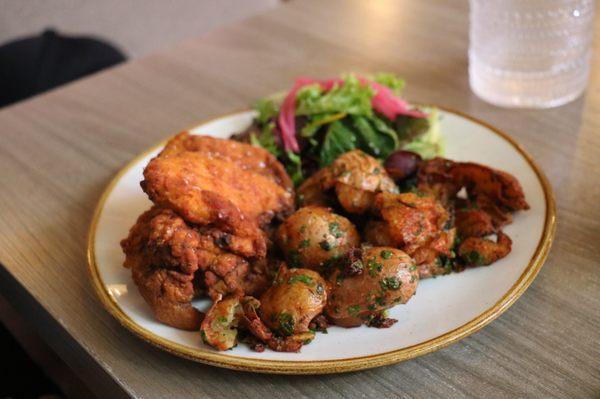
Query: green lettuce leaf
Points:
[375, 137]
[338, 140]
[294, 167]
[266, 139]
[390, 80]
[429, 144]
[267, 110]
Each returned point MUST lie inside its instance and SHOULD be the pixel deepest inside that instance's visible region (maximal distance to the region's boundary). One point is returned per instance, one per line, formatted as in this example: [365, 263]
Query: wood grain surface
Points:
[59, 150]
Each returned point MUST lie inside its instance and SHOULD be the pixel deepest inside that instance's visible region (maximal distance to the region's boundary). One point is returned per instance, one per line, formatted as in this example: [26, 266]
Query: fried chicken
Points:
[233, 186]
[171, 260]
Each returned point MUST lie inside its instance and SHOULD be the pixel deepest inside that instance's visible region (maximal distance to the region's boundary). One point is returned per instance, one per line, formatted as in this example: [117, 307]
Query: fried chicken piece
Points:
[169, 259]
[244, 156]
[160, 251]
[234, 187]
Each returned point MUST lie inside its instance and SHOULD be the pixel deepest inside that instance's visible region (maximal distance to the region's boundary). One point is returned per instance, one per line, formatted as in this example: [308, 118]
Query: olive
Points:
[402, 164]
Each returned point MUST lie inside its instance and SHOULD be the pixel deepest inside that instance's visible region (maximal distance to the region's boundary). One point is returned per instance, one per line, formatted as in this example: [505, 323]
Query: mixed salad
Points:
[318, 120]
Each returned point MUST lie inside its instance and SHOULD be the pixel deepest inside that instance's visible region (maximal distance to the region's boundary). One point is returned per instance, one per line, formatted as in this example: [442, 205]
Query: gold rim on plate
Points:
[220, 359]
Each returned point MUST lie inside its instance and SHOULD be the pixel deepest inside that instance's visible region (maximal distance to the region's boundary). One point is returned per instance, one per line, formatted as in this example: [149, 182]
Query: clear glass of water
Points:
[530, 53]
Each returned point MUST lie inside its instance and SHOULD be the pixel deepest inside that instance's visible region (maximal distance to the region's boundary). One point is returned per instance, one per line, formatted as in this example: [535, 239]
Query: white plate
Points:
[444, 309]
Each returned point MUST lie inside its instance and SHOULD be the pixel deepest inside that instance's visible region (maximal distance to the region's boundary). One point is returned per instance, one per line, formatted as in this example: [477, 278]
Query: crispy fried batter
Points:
[445, 178]
[477, 251]
[160, 251]
[167, 256]
[232, 186]
[415, 224]
[244, 156]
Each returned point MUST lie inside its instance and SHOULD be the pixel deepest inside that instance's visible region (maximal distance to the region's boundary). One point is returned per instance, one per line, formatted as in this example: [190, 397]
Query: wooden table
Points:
[59, 150]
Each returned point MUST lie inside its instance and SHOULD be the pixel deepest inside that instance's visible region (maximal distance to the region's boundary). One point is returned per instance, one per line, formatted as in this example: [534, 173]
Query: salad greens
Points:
[332, 117]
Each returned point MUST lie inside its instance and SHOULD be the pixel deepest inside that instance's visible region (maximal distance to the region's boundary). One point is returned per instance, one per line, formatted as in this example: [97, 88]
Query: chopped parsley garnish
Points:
[386, 254]
[334, 229]
[222, 319]
[390, 283]
[374, 268]
[286, 323]
[303, 278]
[352, 310]
[380, 300]
[304, 244]
[412, 268]
[476, 258]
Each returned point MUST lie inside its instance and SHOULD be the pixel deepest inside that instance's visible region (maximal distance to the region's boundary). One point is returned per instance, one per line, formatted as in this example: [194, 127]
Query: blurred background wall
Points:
[137, 27]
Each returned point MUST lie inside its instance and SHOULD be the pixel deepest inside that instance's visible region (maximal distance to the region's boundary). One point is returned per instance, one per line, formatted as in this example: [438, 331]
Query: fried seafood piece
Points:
[161, 253]
[354, 176]
[172, 261]
[374, 280]
[500, 187]
[444, 179]
[244, 156]
[478, 251]
[293, 301]
[416, 224]
[471, 222]
[315, 238]
[413, 220]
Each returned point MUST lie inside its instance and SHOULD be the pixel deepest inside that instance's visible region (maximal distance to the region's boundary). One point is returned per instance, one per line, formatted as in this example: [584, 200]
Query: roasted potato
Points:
[382, 277]
[219, 327]
[315, 238]
[294, 299]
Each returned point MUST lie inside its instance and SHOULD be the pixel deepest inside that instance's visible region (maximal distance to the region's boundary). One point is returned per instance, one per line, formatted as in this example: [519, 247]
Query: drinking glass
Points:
[530, 53]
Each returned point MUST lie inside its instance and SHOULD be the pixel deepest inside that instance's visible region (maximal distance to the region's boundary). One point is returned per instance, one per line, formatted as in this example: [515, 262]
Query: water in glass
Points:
[530, 53]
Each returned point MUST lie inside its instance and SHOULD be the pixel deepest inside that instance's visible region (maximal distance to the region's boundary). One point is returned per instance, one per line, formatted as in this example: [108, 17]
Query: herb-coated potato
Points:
[314, 238]
[384, 277]
[294, 299]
